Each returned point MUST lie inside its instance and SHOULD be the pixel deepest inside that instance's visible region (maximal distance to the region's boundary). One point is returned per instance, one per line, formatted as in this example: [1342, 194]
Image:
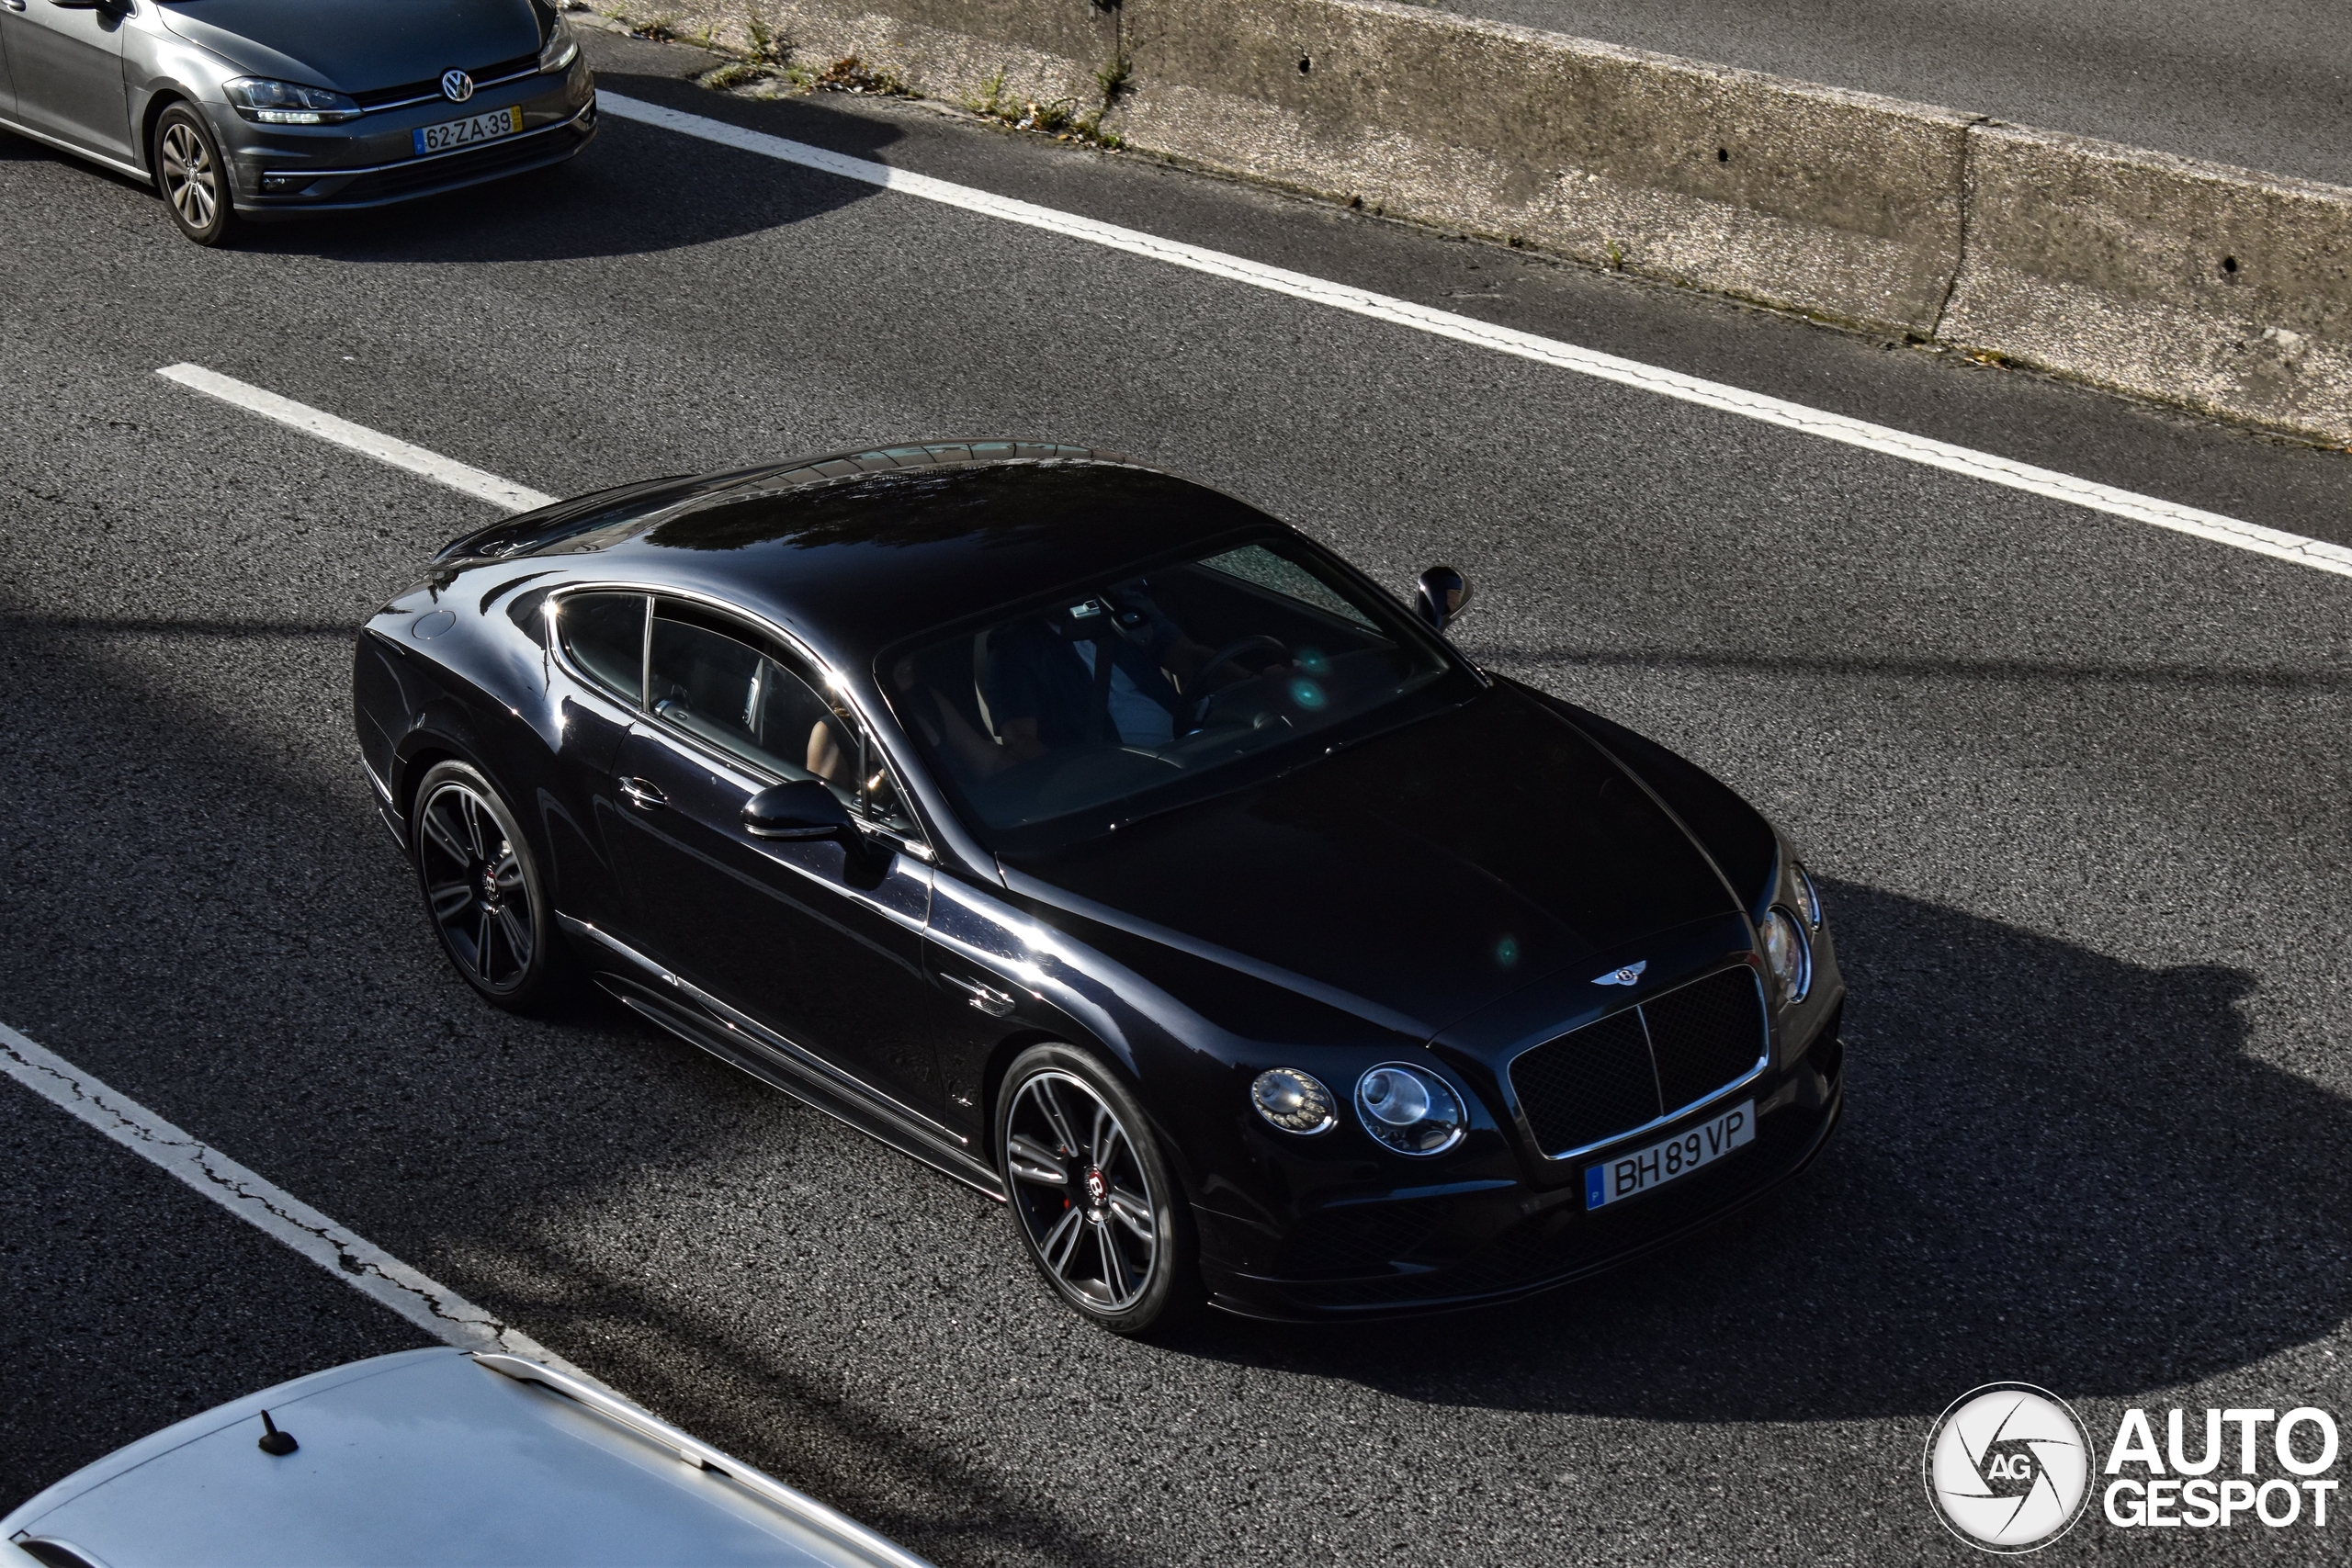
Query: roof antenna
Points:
[275, 1442]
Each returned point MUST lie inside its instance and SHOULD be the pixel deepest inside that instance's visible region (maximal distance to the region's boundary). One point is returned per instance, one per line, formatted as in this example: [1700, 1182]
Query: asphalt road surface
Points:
[2267, 85]
[2076, 787]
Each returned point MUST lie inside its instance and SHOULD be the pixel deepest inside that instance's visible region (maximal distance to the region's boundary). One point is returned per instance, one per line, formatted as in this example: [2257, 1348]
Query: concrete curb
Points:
[2221, 290]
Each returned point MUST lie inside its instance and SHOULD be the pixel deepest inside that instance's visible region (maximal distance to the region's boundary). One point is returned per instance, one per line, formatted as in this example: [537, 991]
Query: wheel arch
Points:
[409, 771]
[158, 100]
[1008, 1050]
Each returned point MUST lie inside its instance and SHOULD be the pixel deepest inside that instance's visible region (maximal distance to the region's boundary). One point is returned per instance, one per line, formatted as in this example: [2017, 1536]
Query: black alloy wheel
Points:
[1092, 1196]
[482, 889]
[191, 175]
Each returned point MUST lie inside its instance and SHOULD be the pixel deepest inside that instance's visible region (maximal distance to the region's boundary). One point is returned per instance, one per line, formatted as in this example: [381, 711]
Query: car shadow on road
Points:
[624, 195]
[2055, 1165]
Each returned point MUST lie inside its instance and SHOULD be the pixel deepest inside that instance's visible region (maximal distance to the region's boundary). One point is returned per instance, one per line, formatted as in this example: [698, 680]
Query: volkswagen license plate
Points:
[1629, 1174]
[450, 135]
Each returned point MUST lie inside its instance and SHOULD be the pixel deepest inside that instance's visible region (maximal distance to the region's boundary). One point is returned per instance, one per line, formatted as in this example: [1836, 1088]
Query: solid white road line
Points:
[1934, 453]
[384, 448]
[354, 1261]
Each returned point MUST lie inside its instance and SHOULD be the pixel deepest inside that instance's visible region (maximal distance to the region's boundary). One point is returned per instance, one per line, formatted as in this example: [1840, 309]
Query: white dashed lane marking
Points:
[499, 492]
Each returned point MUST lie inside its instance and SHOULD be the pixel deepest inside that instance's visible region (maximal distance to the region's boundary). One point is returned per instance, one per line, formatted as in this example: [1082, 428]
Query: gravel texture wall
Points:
[2221, 290]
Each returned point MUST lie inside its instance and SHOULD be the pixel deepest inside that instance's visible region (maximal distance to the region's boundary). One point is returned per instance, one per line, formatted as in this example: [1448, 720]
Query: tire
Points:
[1092, 1194]
[191, 175]
[484, 891]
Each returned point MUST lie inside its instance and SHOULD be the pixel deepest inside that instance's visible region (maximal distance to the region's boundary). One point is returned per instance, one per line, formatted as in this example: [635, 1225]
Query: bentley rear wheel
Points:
[482, 889]
[1092, 1195]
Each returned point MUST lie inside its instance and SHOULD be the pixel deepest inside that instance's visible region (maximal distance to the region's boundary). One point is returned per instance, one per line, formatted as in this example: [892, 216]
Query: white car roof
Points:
[434, 1456]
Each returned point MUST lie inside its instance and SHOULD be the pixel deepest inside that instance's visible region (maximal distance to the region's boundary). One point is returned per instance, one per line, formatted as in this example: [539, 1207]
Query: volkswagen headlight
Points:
[1787, 954]
[288, 103]
[1294, 1101]
[1411, 1110]
[560, 49]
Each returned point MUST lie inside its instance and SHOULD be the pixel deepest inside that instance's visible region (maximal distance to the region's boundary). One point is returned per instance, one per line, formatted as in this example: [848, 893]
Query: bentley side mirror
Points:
[1443, 595]
[801, 809]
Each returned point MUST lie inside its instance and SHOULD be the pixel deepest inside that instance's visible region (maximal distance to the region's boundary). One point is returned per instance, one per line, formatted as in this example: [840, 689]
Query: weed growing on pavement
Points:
[1056, 118]
[991, 97]
[662, 28]
[733, 75]
[765, 68]
[764, 59]
[769, 46]
[850, 75]
[1113, 79]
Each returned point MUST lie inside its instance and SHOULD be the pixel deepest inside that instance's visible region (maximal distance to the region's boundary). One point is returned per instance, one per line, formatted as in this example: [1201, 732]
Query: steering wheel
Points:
[1231, 651]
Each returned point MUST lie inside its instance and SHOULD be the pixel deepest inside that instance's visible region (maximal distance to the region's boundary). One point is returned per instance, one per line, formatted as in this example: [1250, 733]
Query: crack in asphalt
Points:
[427, 1303]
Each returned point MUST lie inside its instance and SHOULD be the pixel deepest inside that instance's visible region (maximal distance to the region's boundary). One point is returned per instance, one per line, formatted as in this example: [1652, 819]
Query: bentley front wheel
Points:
[1092, 1193]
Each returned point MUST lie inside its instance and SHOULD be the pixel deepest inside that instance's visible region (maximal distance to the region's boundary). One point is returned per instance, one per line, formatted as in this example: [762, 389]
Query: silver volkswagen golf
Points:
[260, 108]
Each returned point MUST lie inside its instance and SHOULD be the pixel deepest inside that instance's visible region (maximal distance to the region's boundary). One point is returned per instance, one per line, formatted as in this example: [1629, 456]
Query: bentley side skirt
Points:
[701, 1020]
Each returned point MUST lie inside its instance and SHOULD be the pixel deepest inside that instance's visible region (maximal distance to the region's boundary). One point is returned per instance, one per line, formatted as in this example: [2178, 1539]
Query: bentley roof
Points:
[863, 550]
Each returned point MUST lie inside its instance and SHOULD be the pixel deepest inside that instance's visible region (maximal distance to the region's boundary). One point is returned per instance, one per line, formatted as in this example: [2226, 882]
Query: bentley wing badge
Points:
[1625, 976]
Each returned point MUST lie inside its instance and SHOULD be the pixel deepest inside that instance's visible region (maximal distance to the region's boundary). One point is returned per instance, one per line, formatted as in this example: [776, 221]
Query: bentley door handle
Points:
[643, 793]
[14, 4]
[988, 998]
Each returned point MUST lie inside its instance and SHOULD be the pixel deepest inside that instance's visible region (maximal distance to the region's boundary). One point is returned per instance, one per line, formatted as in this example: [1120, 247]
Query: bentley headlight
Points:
[560, 49]
[1808, 896]
[1787, 955]
[287, 103]
[1292, 1100]
[1413, 1112]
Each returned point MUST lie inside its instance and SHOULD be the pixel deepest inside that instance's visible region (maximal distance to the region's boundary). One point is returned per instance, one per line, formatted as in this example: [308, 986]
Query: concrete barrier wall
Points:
[2216, 288]
[943, 49]
[2222, 290]
[1830, 202]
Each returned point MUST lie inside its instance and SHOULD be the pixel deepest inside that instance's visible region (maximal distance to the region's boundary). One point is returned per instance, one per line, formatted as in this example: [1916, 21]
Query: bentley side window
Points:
[731, 688]
[604, 636]
[879, 797]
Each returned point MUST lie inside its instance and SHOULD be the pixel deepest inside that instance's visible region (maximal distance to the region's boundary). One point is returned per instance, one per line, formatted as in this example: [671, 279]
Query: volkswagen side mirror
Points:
[1443, 595]
[803, 808]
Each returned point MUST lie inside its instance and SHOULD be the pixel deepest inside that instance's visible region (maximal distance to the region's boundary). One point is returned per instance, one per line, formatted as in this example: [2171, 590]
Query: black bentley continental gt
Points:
[1115, 849]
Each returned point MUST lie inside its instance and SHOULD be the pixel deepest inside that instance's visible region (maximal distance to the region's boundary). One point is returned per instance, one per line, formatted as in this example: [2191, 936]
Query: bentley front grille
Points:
[1643, 1065]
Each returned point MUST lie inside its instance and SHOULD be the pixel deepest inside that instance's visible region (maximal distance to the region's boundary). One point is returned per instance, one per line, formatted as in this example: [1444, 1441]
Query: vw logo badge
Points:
[456, 86]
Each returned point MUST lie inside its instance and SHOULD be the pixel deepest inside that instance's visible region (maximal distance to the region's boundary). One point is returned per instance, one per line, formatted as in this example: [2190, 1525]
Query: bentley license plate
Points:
[1630, 1175]
[450, 135]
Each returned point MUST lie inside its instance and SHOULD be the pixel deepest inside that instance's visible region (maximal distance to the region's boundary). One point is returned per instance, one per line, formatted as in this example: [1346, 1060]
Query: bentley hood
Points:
[1426, 873]
[356, 46]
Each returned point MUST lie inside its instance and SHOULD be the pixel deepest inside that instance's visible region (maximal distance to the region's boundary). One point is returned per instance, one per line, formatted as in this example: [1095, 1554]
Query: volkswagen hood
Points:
[356, 46]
